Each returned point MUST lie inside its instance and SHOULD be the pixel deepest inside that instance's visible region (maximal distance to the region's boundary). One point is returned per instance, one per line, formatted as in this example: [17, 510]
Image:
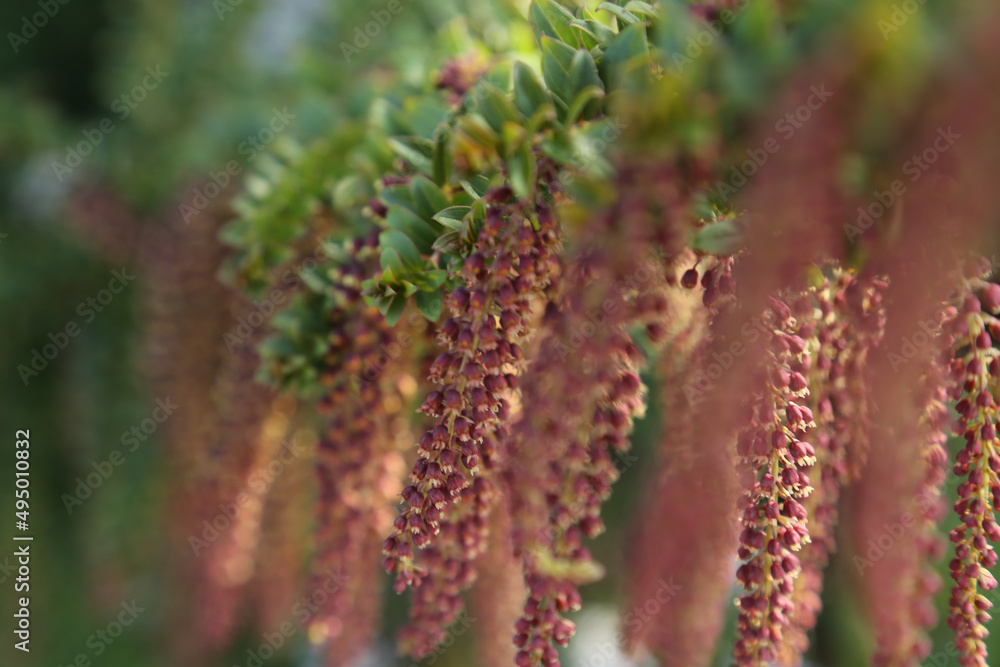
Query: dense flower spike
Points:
[490, 316]
[774, 452]
[975, 370]
[682, 619]
[354, 459]
[850, 322]
[580, 398]
[453, 490]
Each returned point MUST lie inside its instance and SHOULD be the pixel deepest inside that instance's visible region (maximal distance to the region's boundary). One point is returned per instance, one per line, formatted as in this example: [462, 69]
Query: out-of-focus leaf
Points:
[722, 237]
[529, 92]
[418, 231]
[429, 303]
[552, 19]
[452, 216]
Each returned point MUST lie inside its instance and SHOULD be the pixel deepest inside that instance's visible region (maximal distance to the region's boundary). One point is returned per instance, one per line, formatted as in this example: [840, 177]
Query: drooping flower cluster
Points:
[850, 321]
[492, 312]
[777, 458]
[364, 381]
[974, 371]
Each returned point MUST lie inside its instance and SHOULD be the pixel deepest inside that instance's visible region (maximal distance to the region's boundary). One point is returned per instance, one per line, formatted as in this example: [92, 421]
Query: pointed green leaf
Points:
[583, 75]
[557, 60]
[597, 30]
[722, 237]
[586, 104]
[626, 18]
[398, 195]
[522, 169]
[478, 132]
[452, 216]
[552, 19]
[429, 303]
[395, 310]
[427, 197]
[448, 242]
[410, 224]
[629, 46]
[441, 158]
[644, 8]
[477, 186]
[529, 92]
[405, 251]
[415, 150]
[495, 107]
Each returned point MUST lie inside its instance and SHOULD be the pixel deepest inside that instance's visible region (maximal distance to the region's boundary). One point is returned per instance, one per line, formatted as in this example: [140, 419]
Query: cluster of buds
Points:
[974, 368]
[716, 279]
[511, 263]
[581, 396]
[450, 562]
[776, 460]
[361, 399]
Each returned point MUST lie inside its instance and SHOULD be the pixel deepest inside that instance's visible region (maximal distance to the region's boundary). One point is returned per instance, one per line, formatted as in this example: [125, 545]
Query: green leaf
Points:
[452, 216]
[529, 92]
[626, 18]
[398, 195]
[597, 30]
[644, 8]
[441, 158]
[394, 310]
[522, 170]
[448, 242]
[478, 132]
[495, 107]
[427, 197]
[722, 237]
[429, 303]
[405, 251]
[477, 186]
[587, 40]
[557, 60]
[418, 231]
[629, 46]
[586, 104]
[415, 150]
[583, 75]
[552, 19]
